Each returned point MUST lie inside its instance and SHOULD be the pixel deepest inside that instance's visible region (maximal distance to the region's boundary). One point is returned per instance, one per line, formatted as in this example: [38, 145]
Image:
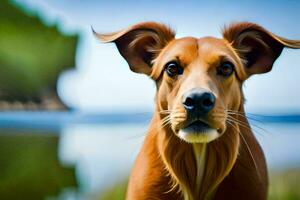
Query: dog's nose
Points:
[199, 100]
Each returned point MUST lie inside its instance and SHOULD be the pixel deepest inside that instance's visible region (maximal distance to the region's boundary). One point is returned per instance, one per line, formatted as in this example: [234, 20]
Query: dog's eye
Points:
[173, 68]
[225, 69]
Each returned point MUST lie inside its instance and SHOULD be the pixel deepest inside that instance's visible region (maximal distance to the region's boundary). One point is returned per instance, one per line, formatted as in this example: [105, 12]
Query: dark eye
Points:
[225, 69]
[173, 68]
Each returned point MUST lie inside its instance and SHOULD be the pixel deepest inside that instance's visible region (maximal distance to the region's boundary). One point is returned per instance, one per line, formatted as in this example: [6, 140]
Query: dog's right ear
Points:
[140, 44]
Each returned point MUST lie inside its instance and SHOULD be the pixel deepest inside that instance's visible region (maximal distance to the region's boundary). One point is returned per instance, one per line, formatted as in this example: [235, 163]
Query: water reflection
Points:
[81, 160]
[103, 154]
[30, 168]
[280, 142]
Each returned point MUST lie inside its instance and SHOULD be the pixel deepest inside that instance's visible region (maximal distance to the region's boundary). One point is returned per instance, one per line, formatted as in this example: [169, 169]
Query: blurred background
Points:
[70, 131]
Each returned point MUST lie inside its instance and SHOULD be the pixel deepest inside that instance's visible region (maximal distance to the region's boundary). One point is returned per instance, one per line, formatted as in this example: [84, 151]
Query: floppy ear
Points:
[140, 44]
[257, 47]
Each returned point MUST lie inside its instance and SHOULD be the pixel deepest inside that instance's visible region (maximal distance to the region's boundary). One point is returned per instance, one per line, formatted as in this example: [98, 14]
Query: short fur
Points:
[233, 165]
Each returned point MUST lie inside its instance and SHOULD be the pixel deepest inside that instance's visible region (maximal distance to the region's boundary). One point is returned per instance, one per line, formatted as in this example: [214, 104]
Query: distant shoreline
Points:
[54, 120]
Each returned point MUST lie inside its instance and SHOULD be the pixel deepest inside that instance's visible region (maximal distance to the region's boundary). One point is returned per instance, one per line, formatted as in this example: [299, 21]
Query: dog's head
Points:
[198, 79]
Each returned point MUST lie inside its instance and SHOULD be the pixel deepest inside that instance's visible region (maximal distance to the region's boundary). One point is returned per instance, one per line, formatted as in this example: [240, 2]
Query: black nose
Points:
[199, 100]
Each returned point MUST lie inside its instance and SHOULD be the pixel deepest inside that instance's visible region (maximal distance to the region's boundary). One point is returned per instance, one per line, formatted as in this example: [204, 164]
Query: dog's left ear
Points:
[257, 47]
[140, 44]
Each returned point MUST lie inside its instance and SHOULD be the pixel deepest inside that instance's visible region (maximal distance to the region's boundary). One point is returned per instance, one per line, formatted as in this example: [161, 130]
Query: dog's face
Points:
[198, 84]
[198, 80]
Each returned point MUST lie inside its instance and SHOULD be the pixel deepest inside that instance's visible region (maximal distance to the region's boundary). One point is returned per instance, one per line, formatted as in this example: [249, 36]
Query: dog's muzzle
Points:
[198, 103]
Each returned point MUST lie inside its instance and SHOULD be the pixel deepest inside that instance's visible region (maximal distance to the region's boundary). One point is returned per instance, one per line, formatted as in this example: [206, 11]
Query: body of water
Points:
[102, 148]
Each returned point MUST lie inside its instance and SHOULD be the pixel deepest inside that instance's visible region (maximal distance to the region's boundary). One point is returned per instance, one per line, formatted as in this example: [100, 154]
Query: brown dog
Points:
[199, 145]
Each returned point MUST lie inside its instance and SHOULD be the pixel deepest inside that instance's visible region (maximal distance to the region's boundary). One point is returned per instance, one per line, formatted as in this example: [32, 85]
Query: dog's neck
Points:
[200, 159]
[197, 169]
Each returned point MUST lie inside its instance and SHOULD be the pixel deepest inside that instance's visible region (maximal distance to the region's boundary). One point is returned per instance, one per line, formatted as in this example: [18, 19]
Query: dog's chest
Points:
[200, 158]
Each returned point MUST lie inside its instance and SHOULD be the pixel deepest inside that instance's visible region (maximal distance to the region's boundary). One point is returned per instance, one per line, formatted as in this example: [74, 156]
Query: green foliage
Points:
[31, 54]
[30, 168]
[115, 192]
[285, 185]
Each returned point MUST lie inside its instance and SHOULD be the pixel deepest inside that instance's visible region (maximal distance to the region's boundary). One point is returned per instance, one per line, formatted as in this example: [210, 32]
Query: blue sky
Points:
[91, 87]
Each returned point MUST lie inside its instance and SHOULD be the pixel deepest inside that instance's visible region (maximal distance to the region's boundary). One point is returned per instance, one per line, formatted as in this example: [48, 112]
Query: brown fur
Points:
[233, 165]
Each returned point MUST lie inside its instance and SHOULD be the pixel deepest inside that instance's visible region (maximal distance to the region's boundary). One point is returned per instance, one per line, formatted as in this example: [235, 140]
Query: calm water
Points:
[102, 148]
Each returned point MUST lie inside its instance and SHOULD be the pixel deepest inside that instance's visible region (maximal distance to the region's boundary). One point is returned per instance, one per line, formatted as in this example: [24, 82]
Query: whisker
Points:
[164, 125]
[233, 121]
[165, 111]
[249, 150]
[165, 121]
[243, 114]
[179, 117]
[230, 113]
[247, 114]
[168, 111]
[252, 124]
[252, 157]
[244, 125]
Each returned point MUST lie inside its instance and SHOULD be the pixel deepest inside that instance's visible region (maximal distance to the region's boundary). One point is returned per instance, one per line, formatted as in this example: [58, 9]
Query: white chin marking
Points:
[198, 137]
